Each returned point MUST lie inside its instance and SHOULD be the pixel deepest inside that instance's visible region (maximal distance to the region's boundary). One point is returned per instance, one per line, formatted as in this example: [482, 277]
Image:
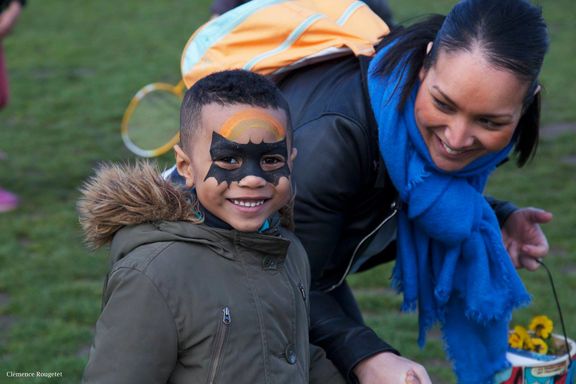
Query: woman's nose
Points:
[459, 134]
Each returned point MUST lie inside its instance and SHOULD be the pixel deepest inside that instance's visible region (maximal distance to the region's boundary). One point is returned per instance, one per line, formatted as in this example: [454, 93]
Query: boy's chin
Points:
[252, 226]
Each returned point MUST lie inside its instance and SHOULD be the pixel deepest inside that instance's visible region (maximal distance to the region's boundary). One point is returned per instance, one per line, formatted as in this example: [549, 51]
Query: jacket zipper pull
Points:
[302, 291]
[226, 317]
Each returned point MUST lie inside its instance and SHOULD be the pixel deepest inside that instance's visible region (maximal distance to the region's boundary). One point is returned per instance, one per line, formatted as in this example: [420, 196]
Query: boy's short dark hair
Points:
[228, 87]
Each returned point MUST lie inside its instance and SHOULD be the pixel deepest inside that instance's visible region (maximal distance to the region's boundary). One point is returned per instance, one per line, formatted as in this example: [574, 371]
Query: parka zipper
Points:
[395, 207]
[297, 290]
[302, 291]
[220, 339]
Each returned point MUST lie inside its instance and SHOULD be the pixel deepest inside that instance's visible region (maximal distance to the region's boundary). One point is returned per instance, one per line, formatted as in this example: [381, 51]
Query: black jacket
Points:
[342, 188]
[345, 203]
[380, 7]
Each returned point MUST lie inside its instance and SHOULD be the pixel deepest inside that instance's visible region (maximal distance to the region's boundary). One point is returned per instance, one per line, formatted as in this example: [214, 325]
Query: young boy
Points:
[206, 286]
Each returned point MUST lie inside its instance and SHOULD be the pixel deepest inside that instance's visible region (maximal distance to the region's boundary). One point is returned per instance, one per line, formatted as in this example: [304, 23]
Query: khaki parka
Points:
[188, 303]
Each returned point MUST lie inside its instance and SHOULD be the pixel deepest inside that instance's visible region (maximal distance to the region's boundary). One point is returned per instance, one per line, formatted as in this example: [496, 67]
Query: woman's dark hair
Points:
[511, 34]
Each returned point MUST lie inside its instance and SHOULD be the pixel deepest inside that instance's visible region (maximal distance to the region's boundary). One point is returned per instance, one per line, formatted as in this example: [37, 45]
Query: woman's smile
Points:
[457, 153]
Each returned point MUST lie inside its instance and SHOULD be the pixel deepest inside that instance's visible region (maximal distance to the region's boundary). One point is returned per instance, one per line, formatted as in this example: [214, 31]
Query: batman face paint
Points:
[239, 163]
[232, 161]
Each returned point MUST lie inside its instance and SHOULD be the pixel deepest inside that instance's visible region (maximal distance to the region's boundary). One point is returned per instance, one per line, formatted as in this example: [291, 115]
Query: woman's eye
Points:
[442, 105]
[489, 123]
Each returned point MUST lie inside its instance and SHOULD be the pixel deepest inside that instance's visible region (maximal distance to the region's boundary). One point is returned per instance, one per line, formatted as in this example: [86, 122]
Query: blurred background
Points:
[74, 66]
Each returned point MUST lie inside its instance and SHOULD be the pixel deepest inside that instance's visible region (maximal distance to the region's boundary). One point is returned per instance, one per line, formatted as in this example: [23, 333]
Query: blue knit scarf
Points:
[451, 263]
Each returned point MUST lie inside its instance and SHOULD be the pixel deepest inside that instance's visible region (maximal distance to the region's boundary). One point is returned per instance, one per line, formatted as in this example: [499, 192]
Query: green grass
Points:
[75, 65]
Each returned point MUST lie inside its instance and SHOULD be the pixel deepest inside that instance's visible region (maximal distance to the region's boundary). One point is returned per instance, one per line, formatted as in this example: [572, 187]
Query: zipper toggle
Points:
[302, 291]
[226, 317]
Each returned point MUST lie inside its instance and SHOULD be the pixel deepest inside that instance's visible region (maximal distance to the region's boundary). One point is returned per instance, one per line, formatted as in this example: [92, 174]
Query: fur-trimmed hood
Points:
[124, 195]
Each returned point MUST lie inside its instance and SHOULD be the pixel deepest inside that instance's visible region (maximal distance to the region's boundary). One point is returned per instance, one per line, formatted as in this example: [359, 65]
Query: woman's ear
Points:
[423, 71]
[422, 74]
[184, 166]
[537, 90]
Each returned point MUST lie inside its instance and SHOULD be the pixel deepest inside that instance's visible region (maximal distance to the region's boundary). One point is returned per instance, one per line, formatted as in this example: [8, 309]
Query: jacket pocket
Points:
[219, 344]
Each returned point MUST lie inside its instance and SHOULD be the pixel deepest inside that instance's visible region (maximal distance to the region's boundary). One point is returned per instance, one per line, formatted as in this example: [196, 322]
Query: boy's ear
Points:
[183, 166]
[293, 154]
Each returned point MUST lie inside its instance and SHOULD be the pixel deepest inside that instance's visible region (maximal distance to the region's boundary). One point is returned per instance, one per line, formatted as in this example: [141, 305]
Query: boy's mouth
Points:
[247, 203]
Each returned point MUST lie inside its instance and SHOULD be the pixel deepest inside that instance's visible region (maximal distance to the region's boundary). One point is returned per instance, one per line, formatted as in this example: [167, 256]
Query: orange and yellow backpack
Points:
[274, 36]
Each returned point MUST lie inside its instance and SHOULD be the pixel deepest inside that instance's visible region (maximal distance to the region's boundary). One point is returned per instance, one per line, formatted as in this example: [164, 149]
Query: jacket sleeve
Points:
[345, 341]
[136, 337]
[332, 167]
[502, 209]
[322, 370]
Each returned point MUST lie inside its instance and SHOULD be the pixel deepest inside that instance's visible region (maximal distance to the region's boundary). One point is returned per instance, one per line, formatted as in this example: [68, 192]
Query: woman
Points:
[394, 153]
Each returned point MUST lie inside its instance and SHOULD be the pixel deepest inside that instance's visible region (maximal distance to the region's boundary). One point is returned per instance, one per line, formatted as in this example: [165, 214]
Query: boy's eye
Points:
[272, 162]
[228, 162]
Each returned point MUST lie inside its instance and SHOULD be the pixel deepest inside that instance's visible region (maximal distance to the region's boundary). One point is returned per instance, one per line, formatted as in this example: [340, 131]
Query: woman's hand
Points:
[388, 368]
[524, 239]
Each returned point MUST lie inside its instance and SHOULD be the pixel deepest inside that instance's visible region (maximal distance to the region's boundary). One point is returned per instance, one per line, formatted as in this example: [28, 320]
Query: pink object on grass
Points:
[8, 201]
[4, 91]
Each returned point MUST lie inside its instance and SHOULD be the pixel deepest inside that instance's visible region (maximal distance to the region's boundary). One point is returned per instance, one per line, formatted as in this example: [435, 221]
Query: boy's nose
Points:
[252, 181]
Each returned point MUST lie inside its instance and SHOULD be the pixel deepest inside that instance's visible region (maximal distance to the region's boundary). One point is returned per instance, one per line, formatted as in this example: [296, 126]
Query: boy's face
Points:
[239, 161]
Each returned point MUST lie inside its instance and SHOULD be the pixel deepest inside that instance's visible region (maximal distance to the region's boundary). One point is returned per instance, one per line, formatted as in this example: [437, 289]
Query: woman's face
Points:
[466, 108]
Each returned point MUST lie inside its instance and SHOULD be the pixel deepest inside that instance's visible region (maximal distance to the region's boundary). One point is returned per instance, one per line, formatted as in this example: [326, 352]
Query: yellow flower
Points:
[515, 340]
[539, 346]
[522, 332]
[520, 338]
[542, 326]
